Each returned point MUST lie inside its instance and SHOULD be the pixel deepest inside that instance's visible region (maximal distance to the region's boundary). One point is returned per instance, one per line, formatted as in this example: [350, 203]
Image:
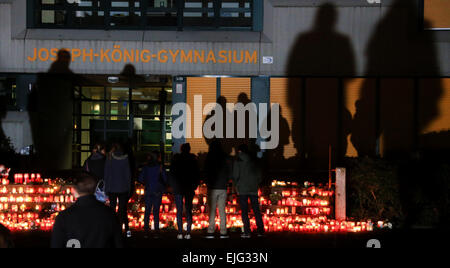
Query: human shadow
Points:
[406, 109]
[230, 144]
[277, 157]
[398, 48]
[51, 115]
[220, 138]
[5, 148]
[318, 120]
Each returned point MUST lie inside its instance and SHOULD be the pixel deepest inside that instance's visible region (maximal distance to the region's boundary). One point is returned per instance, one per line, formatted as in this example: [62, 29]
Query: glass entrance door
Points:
[138, 116]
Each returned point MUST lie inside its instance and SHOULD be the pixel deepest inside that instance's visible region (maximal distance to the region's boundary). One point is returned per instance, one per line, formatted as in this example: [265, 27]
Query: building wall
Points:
[361, 24]
[383, 114]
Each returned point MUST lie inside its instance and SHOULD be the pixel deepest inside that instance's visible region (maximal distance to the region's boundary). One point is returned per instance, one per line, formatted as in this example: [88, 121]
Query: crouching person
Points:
[87, 223]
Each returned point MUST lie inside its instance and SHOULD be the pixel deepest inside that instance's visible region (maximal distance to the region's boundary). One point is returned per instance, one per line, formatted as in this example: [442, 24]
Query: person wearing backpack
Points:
[154, 177]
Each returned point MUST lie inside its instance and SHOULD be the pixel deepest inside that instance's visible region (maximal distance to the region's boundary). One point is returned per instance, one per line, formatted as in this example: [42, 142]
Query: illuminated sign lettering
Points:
[121, 55]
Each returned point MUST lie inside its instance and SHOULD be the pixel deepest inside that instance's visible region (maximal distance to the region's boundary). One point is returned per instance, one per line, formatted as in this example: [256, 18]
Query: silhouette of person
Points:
[244, 99]
[277, 156]
[397, 48]
[51, 114]
[230, 145]
[320, 52]
[4, 147]
[221, 102]
[3, 108]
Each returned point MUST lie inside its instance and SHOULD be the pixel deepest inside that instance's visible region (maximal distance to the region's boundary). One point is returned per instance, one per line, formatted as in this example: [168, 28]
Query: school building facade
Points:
[361, 77]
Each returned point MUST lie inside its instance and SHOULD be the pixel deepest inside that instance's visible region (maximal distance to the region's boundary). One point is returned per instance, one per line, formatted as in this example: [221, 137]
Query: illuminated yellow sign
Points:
[120, 55]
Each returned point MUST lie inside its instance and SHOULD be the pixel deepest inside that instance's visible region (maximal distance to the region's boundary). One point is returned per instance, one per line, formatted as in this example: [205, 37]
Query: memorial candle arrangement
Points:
[33, 202]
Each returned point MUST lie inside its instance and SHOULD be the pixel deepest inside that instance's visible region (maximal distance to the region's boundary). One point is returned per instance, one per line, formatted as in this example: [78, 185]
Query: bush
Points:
[373, 189]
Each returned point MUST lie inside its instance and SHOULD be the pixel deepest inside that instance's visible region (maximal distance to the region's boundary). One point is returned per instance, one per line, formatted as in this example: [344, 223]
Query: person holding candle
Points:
[185, 180]
[247, 176]
[153, 176]
[218, 173]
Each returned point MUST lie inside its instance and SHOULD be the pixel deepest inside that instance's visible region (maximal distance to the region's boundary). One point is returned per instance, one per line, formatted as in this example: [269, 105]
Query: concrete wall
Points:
[362, 24]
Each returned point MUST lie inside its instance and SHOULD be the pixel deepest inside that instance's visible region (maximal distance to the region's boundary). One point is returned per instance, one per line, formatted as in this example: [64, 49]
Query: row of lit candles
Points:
[291, 200]
[281, 218]
[33, 190]
[30, 207]
[271, 224]
[27, 178]
[19, 199]
[26, 221]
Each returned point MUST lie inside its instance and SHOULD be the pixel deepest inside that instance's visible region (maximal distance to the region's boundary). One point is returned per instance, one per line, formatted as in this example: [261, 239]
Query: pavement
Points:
[167, 240]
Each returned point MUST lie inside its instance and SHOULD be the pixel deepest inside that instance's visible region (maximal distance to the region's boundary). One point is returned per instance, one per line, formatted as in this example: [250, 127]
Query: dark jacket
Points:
[247, 175]
[89, 222]
[117, 174]
[185, 174]
[218, 171]
[95, 165]
[154, 177]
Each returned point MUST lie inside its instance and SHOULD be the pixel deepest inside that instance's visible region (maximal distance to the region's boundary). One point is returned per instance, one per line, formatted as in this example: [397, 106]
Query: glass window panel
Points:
[117, 93]
[148, 94]
[118, 108]
[120, 3]
[95, 93]
[129, 14]
[86, 4]
[56, 17]
[146, 109]
[92, 108]
[89, 18]
[86, 121]
[168, 109]
[161, 19]
[169, 94]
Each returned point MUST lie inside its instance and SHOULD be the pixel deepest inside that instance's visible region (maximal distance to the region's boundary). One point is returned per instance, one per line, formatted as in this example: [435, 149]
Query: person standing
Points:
[118, 183]
[186, 174]
[95, 164]
[88, 223]
[153, 176]
[218, 173]
[247, 176]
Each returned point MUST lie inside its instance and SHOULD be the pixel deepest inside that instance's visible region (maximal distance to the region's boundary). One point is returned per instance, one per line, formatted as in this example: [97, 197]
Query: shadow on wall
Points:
[397, 129]
[51, 115]
[320, 52]
[4, 148]
[398, 47]
[230, 145]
